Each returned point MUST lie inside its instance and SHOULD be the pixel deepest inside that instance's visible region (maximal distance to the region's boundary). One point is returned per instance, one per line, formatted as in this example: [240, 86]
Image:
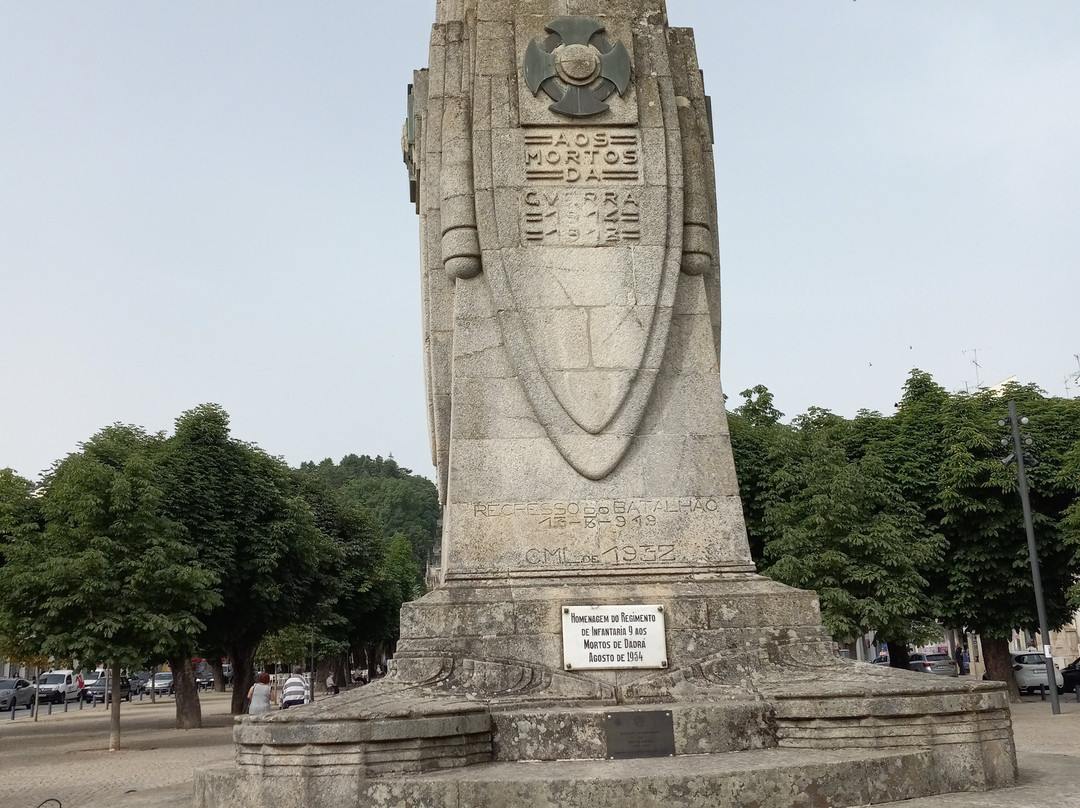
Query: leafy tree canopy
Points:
[401, 501]
[904, 519]
[110, 578]
[245, 517]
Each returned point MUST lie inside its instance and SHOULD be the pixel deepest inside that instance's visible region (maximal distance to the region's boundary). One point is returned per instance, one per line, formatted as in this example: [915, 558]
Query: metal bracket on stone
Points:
[409, 151]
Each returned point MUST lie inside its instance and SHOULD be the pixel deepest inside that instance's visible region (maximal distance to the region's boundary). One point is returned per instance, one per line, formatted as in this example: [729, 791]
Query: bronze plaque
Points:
[639, 734]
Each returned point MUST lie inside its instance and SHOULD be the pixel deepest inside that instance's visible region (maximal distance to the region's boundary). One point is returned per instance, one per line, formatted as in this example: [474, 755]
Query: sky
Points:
[205, 202]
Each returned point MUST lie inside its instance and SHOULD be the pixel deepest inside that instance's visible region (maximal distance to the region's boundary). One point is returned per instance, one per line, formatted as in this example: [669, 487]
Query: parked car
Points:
[941, 664]
[1029, 668]
[1070, 676]
[60, 686]
[15, 693]
[161, 683]
[140, 682]
[101, 689]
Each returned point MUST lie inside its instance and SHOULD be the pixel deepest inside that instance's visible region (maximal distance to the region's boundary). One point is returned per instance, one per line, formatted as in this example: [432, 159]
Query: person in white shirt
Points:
[295, 691]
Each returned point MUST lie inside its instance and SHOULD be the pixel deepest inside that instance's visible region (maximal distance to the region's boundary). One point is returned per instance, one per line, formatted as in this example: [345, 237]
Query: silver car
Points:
[941, 664]
[1029, 668]
[15, 693]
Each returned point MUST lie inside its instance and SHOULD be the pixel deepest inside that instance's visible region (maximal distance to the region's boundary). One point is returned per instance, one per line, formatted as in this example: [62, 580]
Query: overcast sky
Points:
[205, 201]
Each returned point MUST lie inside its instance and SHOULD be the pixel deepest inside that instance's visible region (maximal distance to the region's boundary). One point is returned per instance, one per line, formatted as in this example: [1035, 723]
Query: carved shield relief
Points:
[584, 277]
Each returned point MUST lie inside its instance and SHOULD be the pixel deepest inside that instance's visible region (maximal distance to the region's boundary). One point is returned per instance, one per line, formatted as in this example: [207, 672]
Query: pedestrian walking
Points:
[295, 691]
[260, 695]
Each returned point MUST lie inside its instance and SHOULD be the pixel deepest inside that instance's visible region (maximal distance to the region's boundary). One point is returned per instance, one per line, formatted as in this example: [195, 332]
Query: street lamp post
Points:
[1019, 442]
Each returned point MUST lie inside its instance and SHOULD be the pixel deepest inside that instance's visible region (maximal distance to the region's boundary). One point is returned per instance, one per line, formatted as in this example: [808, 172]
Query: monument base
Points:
[774, 778]
[757, 706]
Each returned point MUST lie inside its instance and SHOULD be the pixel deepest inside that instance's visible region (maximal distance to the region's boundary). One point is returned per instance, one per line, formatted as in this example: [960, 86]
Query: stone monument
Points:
[598, 603]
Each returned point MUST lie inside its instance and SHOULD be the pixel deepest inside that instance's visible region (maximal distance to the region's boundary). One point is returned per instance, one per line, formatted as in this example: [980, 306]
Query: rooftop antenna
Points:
[975, 361]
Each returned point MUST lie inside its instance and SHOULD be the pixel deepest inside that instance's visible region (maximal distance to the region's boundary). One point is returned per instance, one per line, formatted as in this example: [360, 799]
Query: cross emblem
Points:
[577, 67]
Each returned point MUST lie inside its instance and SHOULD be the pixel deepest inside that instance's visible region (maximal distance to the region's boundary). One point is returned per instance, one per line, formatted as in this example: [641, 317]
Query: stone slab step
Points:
[772, 778]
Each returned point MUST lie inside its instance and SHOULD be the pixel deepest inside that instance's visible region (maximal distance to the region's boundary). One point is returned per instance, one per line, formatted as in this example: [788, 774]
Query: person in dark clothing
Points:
[958, 655]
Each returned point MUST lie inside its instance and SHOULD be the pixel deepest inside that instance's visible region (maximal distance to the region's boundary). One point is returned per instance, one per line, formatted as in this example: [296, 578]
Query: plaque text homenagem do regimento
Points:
[614, 637]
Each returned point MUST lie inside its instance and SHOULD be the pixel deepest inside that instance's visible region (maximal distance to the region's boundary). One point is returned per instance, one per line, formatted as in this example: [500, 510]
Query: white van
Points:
[59, 686]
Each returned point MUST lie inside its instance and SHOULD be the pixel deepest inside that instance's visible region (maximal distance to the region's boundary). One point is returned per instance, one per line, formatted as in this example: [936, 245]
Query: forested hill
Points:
[403, 502]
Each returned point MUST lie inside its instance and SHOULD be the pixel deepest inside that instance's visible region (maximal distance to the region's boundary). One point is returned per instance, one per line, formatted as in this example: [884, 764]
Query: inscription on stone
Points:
[576, 190]
[640, 554]
[584, 157]
[576, 217]
[629, 636]
[596, 512]
[618, 532]
[642, 733]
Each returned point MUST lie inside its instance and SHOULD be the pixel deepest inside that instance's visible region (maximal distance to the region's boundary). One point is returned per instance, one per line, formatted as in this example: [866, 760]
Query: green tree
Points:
[401, 501]
[1070, 523]
[989, 587]
[757, 438]
[395, 584]
[345, 620]
[21, 521]
[840, 526]
[248, 522]
[110, 580]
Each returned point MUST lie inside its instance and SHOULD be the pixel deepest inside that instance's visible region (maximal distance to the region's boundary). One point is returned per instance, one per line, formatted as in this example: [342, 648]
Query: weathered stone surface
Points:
[571, 309]
[767, 779]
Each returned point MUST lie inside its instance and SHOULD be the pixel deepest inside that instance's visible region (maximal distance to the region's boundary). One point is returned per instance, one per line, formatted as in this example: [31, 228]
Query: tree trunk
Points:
[999, 665]
[186, 690]
[114, 713]
[243, 672]
[218, 668]
[898, 655]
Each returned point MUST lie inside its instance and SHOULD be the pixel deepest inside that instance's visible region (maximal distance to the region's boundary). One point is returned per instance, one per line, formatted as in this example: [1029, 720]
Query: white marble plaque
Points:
[613, 637]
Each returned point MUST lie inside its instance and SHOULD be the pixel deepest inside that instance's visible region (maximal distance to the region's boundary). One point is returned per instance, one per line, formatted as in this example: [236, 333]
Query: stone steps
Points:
[770, 778]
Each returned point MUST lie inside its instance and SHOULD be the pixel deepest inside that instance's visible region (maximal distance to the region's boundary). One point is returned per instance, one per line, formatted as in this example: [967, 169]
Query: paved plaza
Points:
[64, 757]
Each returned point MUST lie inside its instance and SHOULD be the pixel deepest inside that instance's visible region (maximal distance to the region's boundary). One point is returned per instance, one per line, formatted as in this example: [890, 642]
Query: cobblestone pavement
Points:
[65, 757]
